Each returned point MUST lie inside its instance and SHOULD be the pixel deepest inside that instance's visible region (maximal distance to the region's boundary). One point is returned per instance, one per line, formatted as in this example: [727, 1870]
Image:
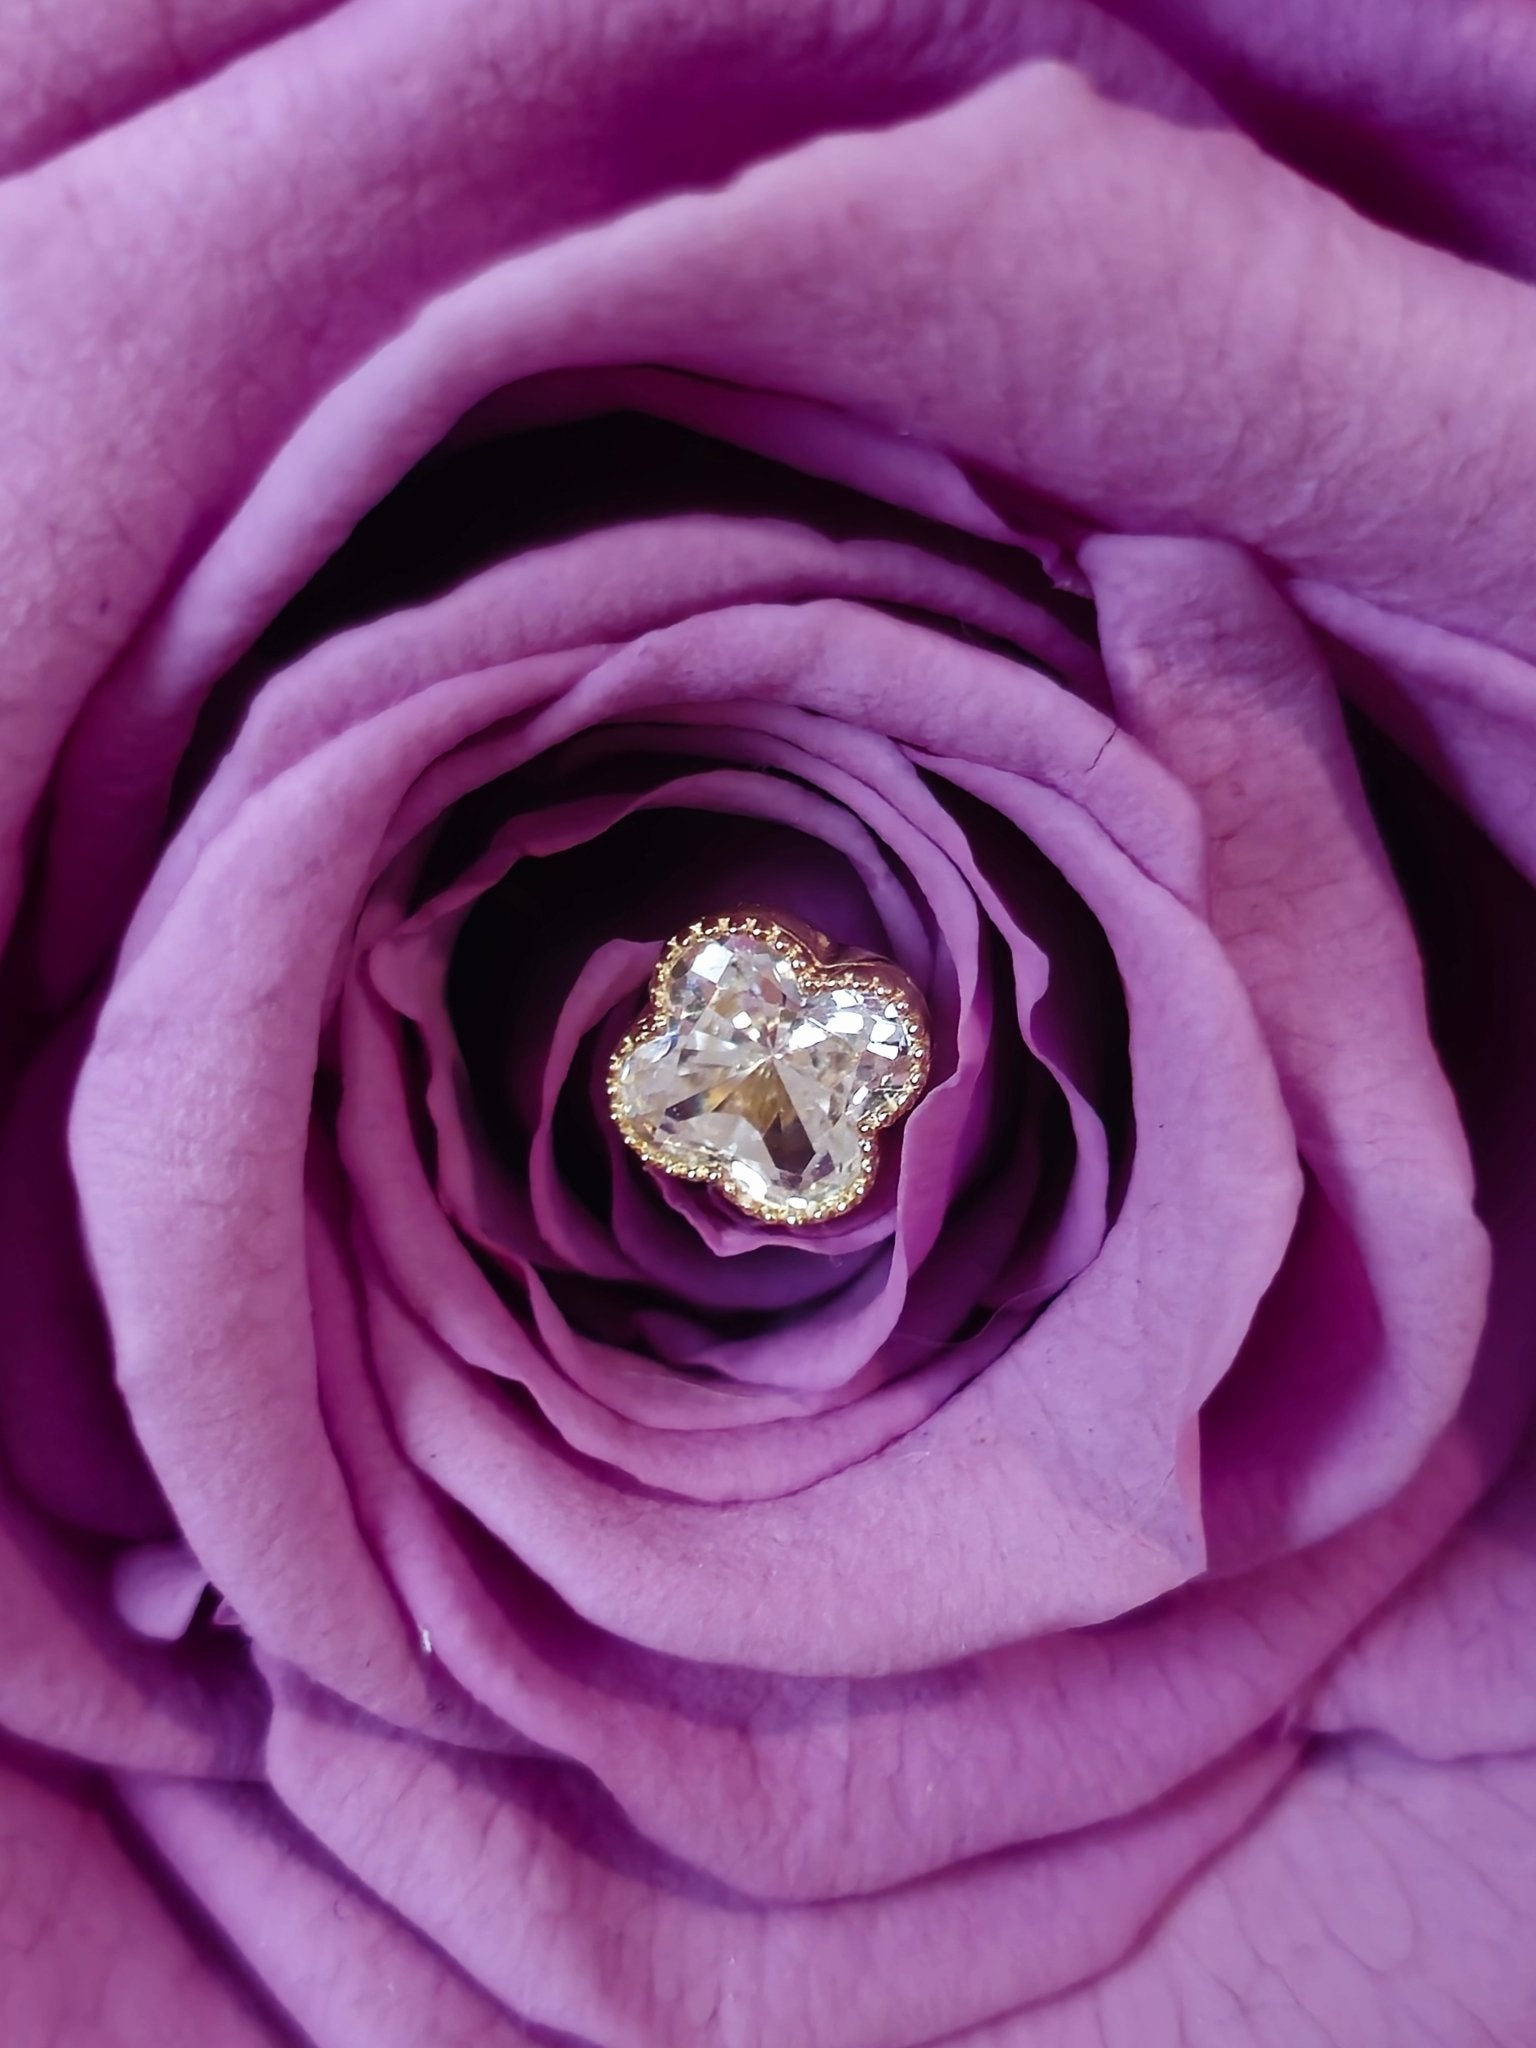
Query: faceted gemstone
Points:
[767, 1073]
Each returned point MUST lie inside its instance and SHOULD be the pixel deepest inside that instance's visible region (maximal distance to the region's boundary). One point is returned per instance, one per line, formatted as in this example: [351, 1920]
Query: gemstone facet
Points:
[766, 1066]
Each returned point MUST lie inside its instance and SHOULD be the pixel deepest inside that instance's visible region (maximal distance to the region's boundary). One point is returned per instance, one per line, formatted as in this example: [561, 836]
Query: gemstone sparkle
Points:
[766, 1067]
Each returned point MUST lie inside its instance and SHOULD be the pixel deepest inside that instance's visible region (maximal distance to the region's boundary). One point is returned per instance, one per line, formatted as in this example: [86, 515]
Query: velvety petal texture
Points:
[93, 1947]
[1040, 494]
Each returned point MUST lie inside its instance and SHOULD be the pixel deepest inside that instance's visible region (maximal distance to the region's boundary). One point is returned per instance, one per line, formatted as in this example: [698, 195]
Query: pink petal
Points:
[92, 1952]
[570, 1920]
[1419, 114]
[1211, 672]
[74, 1677]
[254, 286]
[368, 1978]
[769, 285]
[1449, 1669]
[1380, 1900]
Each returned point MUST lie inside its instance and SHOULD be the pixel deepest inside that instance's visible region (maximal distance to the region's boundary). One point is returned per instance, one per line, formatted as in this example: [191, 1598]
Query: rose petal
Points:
[668, 1431]
[1449, 1670]
[91, 1951]
[255, 288]
[804, 1789]
[65, 72]
[565, 1522]
[773, 285]
[607, 585]
[1326, 1417]
[573, 1921]
[68, 1441]
[371, 1979]
[214, 1350]
[1380, 1900]
[1446, 1670]
[74, 1678]
[1118, 1523]
[1464, 711]
[1421, 117]
[156, 1588]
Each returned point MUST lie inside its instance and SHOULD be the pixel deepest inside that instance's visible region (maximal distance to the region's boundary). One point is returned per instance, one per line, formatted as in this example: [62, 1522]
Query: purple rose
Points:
[1038, 492]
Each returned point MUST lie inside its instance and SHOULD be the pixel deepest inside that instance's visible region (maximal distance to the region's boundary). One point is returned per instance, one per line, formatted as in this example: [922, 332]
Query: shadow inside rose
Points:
[473, 502]
[515, 940]
[519, 978]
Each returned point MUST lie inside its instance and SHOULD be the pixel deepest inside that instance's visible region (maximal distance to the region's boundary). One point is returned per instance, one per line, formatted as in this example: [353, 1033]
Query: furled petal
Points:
[214, 1349]
[669, 1431]
[1466, 712]
[76, 1677]
[1050, 1455]
[1336, 1398]
[868, 778]
[115, 777]
[617, 1556]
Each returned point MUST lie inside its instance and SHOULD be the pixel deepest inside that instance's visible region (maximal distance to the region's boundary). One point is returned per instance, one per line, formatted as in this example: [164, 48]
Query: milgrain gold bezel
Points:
[815, 965]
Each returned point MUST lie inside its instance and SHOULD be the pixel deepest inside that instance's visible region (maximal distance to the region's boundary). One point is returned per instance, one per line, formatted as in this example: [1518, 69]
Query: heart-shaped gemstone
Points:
[767, 1067]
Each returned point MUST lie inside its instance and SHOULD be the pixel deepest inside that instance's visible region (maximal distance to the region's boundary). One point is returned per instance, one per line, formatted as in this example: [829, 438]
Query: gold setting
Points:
[816, 966]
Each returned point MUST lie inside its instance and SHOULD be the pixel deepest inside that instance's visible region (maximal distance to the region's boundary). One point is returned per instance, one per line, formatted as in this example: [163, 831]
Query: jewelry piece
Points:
[766, 1063]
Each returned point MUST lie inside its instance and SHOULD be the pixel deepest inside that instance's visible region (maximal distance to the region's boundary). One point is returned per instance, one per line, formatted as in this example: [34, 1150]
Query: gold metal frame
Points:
[815, 965]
